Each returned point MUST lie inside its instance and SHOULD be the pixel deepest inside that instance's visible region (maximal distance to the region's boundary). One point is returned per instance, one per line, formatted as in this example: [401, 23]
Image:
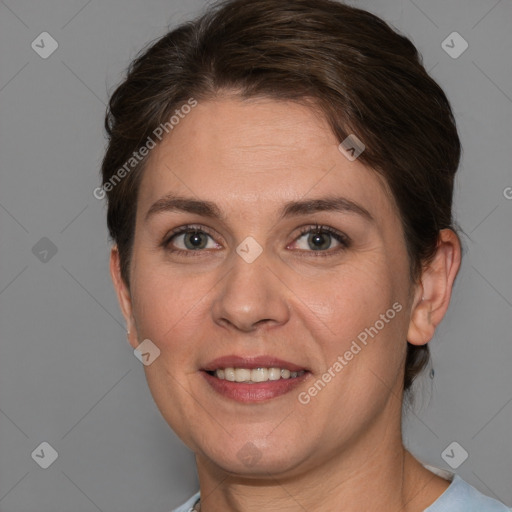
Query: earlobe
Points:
[434, 291]
[123, 296]
[421, 327]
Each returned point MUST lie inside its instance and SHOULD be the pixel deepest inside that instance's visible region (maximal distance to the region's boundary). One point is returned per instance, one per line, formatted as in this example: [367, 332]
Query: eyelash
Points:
[316, 228]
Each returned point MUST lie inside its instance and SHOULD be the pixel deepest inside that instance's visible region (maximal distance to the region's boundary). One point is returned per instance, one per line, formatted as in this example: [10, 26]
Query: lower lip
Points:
[257, 392]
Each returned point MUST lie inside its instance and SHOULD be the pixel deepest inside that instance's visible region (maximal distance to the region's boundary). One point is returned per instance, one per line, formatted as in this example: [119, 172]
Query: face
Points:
[259, 244]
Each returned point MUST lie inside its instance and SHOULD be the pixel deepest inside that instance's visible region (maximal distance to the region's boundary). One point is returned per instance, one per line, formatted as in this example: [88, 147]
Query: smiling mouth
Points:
[254, 375]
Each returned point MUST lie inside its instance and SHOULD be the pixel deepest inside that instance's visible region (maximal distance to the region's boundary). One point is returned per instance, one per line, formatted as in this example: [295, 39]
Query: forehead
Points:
[260, 151]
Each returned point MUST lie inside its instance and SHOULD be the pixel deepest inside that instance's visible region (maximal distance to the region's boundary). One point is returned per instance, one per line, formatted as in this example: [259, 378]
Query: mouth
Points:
[253, 379]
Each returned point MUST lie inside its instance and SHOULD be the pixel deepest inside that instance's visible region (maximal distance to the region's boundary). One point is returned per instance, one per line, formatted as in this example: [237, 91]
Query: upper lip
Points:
[251, 362]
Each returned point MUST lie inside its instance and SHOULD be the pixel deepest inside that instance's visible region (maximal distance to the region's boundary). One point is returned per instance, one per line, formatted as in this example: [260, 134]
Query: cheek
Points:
[360, 322]
[173, 311]
[351, 297]
[160, 304]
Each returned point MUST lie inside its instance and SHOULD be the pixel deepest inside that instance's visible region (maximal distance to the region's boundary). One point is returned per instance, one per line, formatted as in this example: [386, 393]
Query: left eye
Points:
[320, 239]
[193, 239]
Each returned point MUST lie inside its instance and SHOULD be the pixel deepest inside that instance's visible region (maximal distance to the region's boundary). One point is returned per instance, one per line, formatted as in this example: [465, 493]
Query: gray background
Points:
[67, 373]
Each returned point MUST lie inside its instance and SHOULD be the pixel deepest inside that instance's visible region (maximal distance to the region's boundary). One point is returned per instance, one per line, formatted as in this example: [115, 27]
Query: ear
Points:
[123, 295]
[433, 293]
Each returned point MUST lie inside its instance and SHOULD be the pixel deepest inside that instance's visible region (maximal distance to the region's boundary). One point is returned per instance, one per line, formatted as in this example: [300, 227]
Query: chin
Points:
[264, 467]
[254, 458]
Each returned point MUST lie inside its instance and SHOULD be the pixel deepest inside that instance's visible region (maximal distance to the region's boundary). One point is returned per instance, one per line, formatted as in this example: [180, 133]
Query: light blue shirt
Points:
[458, 497]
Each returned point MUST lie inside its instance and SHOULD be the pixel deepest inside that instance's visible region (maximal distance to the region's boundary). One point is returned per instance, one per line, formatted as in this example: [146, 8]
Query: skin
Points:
[345, 446]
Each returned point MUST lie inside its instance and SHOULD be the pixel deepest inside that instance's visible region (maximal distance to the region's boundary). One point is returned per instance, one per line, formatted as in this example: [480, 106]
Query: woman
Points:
[279, 179]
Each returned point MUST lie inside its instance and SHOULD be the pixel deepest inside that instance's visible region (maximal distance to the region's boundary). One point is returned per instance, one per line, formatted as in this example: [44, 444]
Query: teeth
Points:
[242, 374]
[259, 374]
[247, 375]
[274, 374]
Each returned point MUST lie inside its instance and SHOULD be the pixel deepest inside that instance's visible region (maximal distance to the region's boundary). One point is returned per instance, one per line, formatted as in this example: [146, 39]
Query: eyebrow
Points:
[174, 203]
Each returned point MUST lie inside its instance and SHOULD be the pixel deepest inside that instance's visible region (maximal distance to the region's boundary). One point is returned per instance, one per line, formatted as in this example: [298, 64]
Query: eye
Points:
[320, 238]
[186, 239]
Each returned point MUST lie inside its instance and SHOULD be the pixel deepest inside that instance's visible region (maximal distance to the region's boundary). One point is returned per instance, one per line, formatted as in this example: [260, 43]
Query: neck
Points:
[376, 473]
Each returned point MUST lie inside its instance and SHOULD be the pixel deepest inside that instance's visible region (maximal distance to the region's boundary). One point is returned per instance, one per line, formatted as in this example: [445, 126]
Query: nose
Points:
[250, 297]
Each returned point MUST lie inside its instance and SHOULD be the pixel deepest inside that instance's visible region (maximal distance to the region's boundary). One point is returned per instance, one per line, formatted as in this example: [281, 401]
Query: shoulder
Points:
[463, 497]
[188, 505]
[458, 497]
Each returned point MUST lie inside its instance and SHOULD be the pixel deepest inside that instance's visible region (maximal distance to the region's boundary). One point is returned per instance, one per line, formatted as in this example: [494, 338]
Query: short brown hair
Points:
[362, 75]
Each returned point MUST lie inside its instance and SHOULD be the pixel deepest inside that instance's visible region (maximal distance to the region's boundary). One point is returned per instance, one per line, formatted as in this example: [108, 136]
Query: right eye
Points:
[187, 239]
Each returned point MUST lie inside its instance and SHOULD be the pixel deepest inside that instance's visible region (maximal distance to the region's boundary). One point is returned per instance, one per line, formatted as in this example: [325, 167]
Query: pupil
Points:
[320, 241]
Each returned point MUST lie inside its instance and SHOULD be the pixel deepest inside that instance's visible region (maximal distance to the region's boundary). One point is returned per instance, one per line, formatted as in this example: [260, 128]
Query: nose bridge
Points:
[250, 294]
